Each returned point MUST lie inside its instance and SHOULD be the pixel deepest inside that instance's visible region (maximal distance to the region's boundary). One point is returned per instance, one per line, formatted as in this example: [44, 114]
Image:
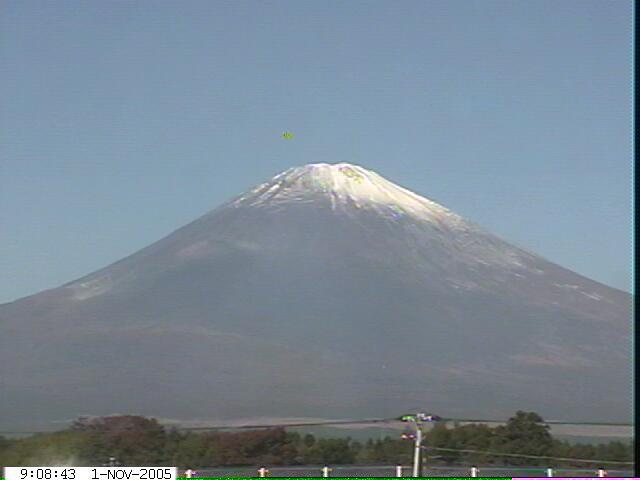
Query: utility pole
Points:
[417, 420]
[417, 460]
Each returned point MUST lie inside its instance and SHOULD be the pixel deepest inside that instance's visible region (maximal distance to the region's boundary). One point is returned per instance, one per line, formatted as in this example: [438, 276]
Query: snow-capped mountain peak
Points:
[344, 183]
[287, 300]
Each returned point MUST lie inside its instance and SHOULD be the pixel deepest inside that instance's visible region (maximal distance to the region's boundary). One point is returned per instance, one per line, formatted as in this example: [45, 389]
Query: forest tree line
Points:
[135, 440]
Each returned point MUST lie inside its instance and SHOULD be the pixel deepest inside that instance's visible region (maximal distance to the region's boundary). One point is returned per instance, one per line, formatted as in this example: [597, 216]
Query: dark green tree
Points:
[526, 434]
[330, 451]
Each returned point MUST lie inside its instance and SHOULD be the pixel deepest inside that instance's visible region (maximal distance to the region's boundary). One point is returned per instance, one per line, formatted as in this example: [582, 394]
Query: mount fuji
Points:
[326, 292]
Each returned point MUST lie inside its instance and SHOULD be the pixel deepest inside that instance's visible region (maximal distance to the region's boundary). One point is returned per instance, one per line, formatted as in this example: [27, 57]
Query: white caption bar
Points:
[90, 473]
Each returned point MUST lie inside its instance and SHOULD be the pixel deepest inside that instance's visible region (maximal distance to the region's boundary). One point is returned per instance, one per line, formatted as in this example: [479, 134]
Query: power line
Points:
[544, 422]
[299, 424]
[334, 422]
[371, 421]
[234, 427]
[527, 456]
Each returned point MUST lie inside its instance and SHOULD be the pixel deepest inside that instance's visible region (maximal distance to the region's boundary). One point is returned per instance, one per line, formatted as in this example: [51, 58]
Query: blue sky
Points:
[122, 121]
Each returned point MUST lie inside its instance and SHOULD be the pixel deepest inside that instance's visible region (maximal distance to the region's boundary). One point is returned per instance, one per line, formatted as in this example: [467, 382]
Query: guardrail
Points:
[399, 471]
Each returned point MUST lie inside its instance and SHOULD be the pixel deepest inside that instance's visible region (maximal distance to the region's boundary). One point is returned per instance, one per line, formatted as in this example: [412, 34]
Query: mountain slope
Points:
[326, 291]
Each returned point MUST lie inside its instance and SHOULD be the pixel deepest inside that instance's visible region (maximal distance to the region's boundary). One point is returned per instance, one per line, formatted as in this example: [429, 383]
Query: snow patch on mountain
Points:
[344, 183]
[593, 296]
[351, 190]
[564, 285]
[91, 288]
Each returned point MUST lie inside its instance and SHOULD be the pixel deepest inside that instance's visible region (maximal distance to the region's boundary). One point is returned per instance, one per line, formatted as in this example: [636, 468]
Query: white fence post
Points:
[549, 472]
[398, 471]
[325, 471]
[602, 472]
[262, 472]
[474, 471]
